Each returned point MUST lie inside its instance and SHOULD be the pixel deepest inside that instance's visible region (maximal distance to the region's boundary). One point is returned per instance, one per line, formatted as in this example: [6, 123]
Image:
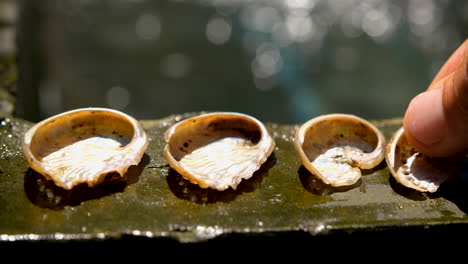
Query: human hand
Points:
[436, 121]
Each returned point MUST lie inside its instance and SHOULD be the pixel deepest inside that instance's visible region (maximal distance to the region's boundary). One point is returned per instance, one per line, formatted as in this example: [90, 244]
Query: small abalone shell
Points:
[84, 145]
[335, 147]
[219, 149]
[415, 170]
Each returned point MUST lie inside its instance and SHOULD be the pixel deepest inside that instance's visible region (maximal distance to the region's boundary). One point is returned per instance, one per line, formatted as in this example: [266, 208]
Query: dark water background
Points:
[280, 61]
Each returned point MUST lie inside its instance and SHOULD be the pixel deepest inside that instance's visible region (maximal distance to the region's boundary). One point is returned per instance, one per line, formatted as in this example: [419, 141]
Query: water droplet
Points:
[276, 199]
[33, 237]
[208, 231]
[5, 121]
[178, 118]
[319, 228]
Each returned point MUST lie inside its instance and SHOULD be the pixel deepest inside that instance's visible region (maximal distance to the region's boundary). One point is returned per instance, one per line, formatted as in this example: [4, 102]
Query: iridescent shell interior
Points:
[335, 147]
[84, 145]
[218, 150]
[415, 170]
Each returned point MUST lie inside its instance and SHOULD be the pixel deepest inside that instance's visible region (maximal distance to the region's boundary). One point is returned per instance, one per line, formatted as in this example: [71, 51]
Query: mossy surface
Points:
[155, 202]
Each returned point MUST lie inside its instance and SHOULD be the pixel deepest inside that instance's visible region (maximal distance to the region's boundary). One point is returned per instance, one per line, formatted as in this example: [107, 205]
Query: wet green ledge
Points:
[154, 202]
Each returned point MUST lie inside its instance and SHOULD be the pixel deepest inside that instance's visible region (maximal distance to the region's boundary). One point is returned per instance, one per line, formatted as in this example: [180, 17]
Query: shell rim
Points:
[390, 159]
[35, 164]
[300, 135]
[265, 139]
[390, 149]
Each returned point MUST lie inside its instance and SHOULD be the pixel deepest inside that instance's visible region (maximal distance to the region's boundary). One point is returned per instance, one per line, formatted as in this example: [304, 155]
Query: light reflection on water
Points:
[281, 61]
[175, 65]
[118, 97]
[218, 30]
[147, 26]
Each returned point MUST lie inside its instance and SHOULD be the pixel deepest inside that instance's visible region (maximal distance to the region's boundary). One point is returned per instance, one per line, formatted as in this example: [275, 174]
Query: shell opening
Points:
[219, 149]
[335, 147]
[352, 136]
[415, 170]
[84, 145]
[198, 133]
[62, 132]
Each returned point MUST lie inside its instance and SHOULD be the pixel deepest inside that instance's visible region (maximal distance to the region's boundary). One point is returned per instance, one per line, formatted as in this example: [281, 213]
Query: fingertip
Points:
[436, 121]
[424, 122]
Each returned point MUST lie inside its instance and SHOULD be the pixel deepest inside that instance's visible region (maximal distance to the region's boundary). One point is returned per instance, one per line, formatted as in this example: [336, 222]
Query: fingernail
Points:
[425, 118]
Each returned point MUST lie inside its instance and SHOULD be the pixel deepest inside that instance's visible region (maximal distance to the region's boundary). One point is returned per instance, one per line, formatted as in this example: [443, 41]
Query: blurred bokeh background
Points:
[280, 61]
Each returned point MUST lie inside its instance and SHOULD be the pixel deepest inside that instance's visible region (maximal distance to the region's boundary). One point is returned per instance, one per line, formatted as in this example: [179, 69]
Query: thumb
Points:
[436, 121]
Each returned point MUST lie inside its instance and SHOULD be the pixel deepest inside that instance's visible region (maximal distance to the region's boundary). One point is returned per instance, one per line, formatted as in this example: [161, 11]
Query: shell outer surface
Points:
[218, 149]
[415, 170]
[335, 147]
[84, 145]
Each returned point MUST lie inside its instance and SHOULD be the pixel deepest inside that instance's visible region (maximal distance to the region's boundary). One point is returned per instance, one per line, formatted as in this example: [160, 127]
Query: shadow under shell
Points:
[315, 185]
[44, 193]
[186, 190]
